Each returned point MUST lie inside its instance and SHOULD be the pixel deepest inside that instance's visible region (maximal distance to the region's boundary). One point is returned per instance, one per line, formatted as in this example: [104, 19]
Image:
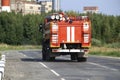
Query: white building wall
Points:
[24, 7]
[31, 8]
[48, 7]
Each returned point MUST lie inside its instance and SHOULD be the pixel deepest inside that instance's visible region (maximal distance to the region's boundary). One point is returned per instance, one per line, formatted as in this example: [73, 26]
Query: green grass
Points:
[113, 54]
[4, 47]
[113, 45]
[105, 51]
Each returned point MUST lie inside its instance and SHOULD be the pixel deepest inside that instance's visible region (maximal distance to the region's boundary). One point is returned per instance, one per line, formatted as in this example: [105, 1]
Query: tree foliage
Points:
[105, 27]
[18, 29]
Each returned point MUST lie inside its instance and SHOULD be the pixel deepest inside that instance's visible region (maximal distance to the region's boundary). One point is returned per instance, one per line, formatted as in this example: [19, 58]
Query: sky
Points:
[109, 7]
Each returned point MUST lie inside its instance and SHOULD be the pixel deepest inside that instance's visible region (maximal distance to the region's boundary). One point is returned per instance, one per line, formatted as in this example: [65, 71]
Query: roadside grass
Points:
[4, 47]
[105, 51]
[94, 50]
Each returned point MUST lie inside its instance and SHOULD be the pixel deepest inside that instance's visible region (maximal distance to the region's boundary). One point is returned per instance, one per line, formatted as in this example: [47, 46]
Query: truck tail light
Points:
[54, 38]
[86, 38]
[54, 27]
[85, 26]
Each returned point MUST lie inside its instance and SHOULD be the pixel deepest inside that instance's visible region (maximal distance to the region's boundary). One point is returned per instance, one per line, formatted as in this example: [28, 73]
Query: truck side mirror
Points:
[41, 27]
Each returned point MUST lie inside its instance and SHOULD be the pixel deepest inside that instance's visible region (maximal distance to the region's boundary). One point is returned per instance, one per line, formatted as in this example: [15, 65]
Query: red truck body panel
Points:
[71, 33]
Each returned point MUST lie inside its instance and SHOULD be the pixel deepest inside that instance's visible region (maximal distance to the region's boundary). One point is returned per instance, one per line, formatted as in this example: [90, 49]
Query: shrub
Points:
[96, 42]
[113, 45]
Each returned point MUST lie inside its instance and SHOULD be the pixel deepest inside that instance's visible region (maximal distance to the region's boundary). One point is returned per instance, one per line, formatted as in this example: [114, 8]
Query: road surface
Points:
[28, 65]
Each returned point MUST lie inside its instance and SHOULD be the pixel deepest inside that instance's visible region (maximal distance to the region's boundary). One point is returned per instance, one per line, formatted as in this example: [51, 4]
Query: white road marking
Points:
[53, 71]
[62, 79]
[102, 66]
[44, 65]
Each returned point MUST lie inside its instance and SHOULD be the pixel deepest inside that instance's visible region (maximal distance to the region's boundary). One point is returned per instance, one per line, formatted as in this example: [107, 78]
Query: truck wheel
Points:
[73, 56]
[81, 59]
[52, 58]
[48, 53]
[43, 53]
[47, 57]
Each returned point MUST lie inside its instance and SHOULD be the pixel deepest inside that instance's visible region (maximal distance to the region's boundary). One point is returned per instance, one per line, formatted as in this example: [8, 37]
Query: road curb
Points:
[2, 66]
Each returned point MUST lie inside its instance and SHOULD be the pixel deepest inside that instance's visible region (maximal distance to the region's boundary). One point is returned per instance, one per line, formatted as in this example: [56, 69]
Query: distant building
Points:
[91, 9]
[5, 5]
[46, 6]
[30, 6]
[27, 7]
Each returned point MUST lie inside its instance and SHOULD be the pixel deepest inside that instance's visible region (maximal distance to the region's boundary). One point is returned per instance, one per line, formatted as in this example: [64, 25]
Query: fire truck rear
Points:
[63, 35]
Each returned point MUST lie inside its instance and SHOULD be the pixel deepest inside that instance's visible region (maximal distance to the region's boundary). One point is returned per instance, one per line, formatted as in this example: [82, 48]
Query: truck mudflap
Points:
[70, 50]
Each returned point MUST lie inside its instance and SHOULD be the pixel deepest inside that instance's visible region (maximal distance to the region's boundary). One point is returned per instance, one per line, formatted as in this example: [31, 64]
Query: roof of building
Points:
[91, 8]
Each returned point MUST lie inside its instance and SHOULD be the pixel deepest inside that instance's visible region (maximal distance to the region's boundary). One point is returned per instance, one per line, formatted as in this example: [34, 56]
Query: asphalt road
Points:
[28, 65]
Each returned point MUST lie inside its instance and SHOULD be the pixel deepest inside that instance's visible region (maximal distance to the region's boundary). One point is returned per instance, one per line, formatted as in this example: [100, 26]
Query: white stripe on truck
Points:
[70, 34]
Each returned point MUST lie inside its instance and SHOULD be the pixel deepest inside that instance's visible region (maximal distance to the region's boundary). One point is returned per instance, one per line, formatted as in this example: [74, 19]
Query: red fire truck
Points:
[66, 35]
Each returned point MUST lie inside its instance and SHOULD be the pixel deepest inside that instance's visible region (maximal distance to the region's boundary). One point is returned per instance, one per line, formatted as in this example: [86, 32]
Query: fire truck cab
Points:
[63, 35]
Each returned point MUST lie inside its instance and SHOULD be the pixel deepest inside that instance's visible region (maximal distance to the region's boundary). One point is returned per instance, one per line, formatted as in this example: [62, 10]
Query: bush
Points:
[16, 29]
[113, 45]
[96, 42]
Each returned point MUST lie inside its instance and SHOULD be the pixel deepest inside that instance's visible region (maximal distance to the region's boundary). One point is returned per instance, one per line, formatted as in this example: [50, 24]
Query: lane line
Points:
[53, 71]
[44, 65]
[62, 78]
[102, 66]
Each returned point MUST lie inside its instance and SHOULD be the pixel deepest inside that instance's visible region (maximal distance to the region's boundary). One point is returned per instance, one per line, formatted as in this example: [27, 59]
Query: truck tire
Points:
[43, 52]
[48, 57]
[52, 58]
[47, 53]
[81, 59]
[73, 56]
[43, 55]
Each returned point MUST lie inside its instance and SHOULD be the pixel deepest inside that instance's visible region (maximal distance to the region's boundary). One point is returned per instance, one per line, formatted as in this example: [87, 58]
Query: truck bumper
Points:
[68, 50]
